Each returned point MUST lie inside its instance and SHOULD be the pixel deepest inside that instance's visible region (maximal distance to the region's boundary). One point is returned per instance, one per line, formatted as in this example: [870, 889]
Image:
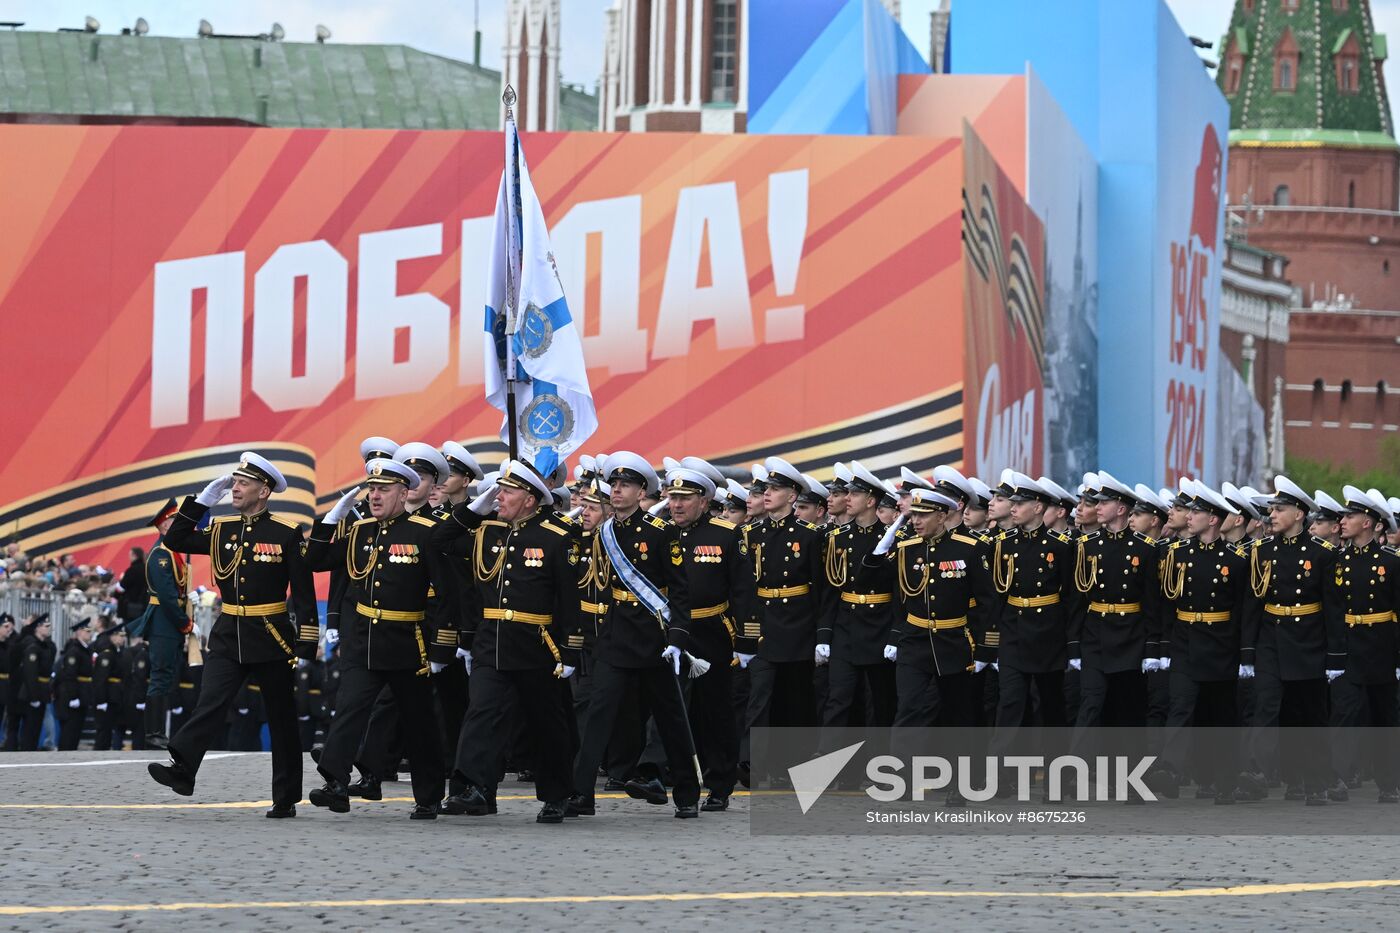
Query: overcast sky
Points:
[446, 26]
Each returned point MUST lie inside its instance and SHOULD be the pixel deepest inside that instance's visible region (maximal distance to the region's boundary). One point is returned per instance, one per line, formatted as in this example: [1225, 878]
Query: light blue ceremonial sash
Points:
[639, 586]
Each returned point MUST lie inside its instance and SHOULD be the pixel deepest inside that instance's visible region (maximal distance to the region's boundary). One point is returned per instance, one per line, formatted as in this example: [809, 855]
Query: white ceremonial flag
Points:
[554, 404]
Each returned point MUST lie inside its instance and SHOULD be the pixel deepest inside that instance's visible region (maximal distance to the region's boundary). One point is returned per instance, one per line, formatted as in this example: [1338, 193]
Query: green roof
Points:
[1302, 138]
[288, 84]
[1316, 103]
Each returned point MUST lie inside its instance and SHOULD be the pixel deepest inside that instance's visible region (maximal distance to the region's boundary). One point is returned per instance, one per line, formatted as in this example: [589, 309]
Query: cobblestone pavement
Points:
[87, 829]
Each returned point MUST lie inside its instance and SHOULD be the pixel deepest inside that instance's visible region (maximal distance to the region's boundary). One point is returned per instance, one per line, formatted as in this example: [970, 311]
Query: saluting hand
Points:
[215, 491]
[341, 508]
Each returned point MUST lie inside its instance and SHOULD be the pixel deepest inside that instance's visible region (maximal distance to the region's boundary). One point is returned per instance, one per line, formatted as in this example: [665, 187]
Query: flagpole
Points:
[512, 267]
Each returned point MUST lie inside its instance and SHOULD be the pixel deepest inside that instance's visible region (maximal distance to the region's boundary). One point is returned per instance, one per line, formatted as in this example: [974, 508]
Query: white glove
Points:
[341, 508]
[744, 660]
[673, 654]
[436, 667]
[141, 707]
[887, 541]
[302, 662]
[1333, 675]
[34, 703]
[979, 666]
[483, 503]
[1166, 663]
[1246, 671]
[658, 508]
[194, 629]
[1151, 664]
[243, 711]
[176, 710]
[303, 719]
[102, 706]
[1397, 673]
[74, 704]
[1075, 664]
[823, 654]
[215, 491]
[564, 672]
[996, 667]
[466, 657]
[332, 637]
[891, 652]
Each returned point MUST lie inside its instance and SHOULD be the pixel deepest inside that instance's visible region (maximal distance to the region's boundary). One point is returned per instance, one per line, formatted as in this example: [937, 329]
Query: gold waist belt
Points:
[84, 680]
[515, 615]
[262, 609]
[1207, 617]
[1121, 609]
[1369, 618]
[1031, 602]
[866, 599]
[155, 601]
[709, 612]
[597, 609]
[783, 592]
[390, 615]
[625, 596]
[939, 624]
[1304, 610]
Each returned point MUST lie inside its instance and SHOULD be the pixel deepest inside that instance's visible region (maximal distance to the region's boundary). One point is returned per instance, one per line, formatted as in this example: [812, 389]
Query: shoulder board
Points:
[805, 524]
[964, 539]
[835, 530]
[550, 526]
[225, 518]
[1176, 544]
[1238, 549]
[441, 514]
[722, 523]
[562, 518]
[1060, 536]
[1390, 550]
[284, 521]
[1324, 542]
[1089, 537]
[364, 521]
[1002, 535]
[748, 526]
[420, 520]
[908, 541]
[1264, 540]
[1144, 538]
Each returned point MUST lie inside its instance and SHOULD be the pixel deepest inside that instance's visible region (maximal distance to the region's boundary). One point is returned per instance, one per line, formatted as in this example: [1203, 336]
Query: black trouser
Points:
[781, 693]
[1111, 699]
[1264, 735]
[496, 696]
[70, 728]
[846, 683]
[379, 751]
[23, 726]
[660, 690]
[359, 688]
[1014, 707]
[223, 678]
[624, 748]
[712, 723]
[1350, 702]
[1302, 744]
[451, 689]
[1217, 734]
[929, 699]
[108, 725]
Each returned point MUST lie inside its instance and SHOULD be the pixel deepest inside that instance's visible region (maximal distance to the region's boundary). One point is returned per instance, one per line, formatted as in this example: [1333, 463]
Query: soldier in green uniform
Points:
[258, 563]
[163, 625]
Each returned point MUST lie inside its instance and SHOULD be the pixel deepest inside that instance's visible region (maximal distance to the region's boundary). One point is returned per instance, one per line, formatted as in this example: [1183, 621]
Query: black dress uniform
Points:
[393, 565]
[723, 596]
[257, 562]
[946, 600]
[1367, 584]
[628, 655]
[1205, 588]
[108, 694]
[525, 577]
[1302, 635]
[1120, 622]
[795, 599]
[863, 608]
[1034, 573]
[75, 671]
[37, 658]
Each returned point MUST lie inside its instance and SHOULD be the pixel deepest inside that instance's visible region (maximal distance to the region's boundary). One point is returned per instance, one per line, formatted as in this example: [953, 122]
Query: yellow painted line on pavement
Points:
[1247, 890]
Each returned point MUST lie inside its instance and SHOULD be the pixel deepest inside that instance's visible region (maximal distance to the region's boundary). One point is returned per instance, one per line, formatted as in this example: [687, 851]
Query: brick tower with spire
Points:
[1314, 174]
